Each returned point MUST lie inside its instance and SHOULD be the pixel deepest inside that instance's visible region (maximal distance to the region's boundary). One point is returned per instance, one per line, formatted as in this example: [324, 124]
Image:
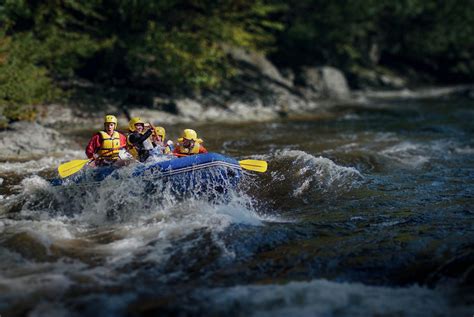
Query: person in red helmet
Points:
[189, 144]
[105, 146]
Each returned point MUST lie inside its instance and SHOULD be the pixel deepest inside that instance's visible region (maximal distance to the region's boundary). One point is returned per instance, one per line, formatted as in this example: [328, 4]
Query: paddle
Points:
[254, 165]
[74, 166]
[71, 167]
[251, 165]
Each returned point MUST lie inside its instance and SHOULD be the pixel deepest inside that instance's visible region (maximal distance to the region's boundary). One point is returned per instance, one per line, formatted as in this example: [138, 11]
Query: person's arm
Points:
[93, 145]
[202, 149]
[136, 138]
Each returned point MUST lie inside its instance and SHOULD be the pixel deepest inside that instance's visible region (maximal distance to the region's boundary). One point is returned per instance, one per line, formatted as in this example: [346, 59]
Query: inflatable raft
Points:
[201, 173]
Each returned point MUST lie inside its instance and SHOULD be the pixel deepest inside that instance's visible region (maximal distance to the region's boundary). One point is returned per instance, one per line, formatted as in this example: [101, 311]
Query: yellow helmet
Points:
[161, 132]
[110, 119]
[133, 121]
[189, 134]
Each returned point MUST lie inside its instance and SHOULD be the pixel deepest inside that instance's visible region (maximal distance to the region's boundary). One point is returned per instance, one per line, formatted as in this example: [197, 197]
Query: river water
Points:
[364, 211]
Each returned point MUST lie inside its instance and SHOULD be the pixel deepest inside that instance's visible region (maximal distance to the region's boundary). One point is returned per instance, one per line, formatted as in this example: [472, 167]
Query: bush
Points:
[22, 83]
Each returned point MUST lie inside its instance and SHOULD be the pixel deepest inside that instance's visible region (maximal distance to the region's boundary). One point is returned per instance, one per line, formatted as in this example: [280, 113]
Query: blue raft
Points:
[199, 174]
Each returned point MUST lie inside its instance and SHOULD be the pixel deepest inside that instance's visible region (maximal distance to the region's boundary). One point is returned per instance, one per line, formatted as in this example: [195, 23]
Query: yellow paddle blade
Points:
[71, 167]
[254, 165]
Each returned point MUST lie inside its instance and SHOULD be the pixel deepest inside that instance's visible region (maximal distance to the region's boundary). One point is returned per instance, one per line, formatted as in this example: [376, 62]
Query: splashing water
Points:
[372, 216]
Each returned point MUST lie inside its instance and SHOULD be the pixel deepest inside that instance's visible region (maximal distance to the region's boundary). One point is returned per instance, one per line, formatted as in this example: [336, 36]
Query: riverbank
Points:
[260, 92]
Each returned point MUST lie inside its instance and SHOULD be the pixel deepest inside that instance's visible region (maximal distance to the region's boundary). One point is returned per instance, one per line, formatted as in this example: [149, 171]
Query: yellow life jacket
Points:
[193, 150]
[110, 145]
[132, 149]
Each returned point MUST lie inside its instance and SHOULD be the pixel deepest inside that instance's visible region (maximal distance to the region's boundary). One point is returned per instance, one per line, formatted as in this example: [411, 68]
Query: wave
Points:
[408, 153]
[296, 174]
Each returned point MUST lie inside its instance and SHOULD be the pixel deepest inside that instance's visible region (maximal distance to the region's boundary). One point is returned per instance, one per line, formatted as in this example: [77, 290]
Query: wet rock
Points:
[24, 139]
[392, 81]
[54, 114]
[189, 108]
[289, 74]
[323, 82]
[244, 111]
[378, 78]
[259, 62]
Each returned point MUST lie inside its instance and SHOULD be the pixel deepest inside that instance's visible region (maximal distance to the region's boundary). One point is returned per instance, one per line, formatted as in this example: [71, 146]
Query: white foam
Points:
[32, 184]
[38, 165]
[408, 153]
[319, 173]
[326, 298]
[464, 150]
[140, 220]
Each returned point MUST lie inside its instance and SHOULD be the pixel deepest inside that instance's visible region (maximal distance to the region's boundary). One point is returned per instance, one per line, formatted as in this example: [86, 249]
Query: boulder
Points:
[377, 78]
[189, 108]
[259, 63]
[323, 82]
[26, 139]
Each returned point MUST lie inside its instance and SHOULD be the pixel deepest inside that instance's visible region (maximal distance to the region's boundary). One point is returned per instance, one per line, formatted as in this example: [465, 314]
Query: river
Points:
[364, 211]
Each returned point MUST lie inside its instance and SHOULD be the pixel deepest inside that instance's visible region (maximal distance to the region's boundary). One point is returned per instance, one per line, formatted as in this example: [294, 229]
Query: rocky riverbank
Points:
[259, 92]
[29, 139]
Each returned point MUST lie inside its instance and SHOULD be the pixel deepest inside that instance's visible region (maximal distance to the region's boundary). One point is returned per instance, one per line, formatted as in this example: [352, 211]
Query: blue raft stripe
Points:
[197, 159]
[198, 167]
[188, 163]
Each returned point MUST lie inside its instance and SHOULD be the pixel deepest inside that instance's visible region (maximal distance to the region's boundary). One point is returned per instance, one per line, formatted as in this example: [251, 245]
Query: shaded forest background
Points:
[50, 49]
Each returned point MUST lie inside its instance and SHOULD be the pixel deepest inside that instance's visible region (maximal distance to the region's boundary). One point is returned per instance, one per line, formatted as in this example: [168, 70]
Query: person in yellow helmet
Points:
[158, 139]
[189, 144]
[104, 146]
[138, 139]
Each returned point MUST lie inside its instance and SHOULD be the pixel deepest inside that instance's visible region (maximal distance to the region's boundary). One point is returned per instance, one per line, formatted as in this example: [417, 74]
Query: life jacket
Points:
[110, 145]
[194, 150]
[168, 149]
[132, 149]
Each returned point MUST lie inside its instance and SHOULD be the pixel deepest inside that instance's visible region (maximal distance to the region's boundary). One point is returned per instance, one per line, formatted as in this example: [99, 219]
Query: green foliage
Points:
[436, 35]
[431, 35]
[181, 45]
[37, 45]
[330, 32]
[173, 44]
[60, 31]
[21, 81]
